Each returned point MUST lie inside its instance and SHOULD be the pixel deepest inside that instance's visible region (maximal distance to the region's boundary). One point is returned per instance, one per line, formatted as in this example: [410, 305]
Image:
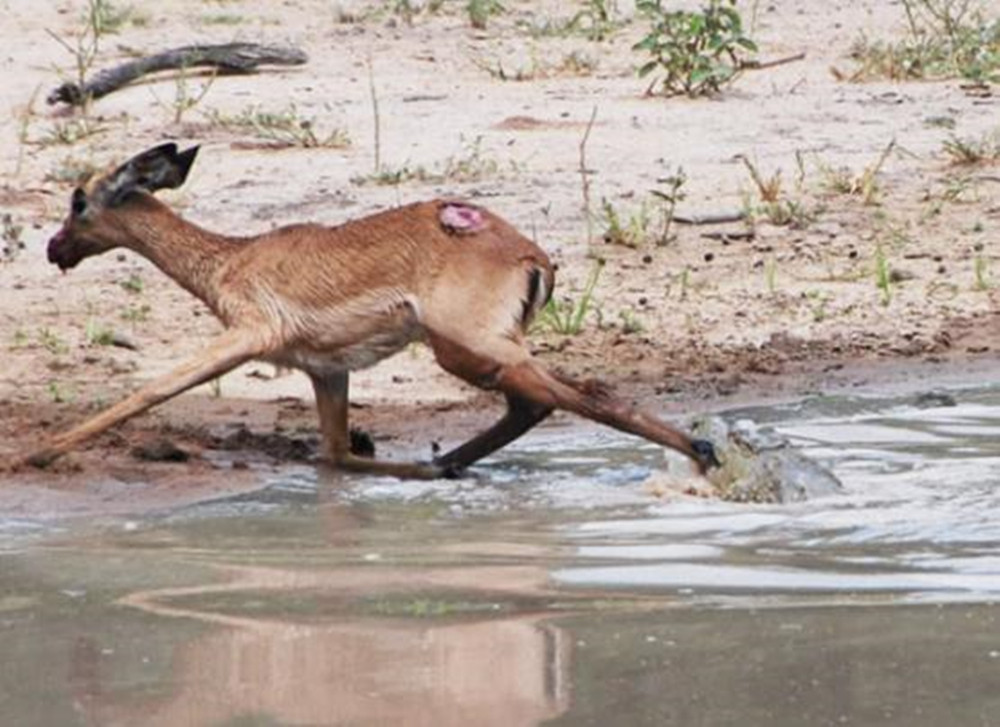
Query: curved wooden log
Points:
[227, 57]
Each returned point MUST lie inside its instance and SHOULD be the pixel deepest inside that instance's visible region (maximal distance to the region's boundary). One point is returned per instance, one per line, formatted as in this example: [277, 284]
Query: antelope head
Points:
[94, 224]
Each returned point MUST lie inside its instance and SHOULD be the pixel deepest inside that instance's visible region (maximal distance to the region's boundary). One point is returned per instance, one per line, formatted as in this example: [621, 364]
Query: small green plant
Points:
[59, 394]
[71, 131]
[960, 188]
[185, 96]
[684, 281]
[946, 15]
[945, 39]
[480, 12]
[635, 228]
[982, 273]
[51, 342]
[768, 188]
[896, 61]
[842, 180]
[408, 10]
[393, 176]
[566, 317]
[222, 19]
[818, 302]
[631, 233]
[596, 21]
[693, 53]
[838, 180]
[774, 206]
[787, 213]
[108, 17]
[669, 194]
[883, 276]
[771, 275]
[575, 63]
[133, 284]
[20, 339]
[136, 313]
[285, 128]
[971, 152]
[471, 164]
[868, 185]
[97, 334]
[630, 321]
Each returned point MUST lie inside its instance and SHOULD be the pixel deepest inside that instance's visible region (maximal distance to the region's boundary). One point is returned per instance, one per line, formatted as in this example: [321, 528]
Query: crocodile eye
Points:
[79, 203]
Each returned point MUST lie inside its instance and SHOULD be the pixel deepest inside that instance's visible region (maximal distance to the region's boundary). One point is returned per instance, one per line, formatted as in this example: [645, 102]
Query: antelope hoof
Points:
[362, 444]
[704, 455]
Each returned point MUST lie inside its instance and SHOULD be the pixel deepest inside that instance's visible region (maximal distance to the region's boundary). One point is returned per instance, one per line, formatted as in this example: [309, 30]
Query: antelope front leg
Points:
[332, 405]
[228, 352]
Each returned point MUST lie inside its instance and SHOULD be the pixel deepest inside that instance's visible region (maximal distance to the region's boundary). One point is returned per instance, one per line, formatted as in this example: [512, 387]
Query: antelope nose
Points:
[52, 251]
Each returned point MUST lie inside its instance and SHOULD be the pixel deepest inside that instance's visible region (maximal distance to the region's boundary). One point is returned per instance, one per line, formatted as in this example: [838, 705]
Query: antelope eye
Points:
[79, 202]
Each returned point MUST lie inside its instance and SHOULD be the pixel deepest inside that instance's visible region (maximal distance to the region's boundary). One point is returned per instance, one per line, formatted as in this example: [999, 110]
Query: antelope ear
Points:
[161, 167]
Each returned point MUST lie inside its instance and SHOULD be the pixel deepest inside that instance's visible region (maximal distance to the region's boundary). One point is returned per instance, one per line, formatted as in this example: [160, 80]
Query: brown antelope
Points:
[330, 300]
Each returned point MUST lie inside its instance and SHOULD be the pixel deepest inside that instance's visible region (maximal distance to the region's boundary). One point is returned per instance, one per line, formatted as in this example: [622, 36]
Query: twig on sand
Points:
[227, 57]
[718, 218]
[756, 65]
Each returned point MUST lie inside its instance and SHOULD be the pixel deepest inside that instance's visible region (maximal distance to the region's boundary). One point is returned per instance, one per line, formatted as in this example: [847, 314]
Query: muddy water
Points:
[553, 587]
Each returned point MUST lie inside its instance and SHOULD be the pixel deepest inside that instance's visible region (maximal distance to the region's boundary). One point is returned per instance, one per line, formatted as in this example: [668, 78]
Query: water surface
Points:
[552, 586]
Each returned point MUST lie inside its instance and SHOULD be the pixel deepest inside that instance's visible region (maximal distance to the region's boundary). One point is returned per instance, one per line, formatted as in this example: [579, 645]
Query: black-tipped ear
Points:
[78, 203]
[161, 167]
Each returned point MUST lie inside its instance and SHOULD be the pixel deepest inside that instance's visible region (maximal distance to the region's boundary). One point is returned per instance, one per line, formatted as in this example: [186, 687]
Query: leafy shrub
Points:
[694, 53]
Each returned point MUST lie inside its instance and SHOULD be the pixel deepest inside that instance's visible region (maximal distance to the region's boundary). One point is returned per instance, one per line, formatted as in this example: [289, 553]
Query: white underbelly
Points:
[350, 357]
[350, 335]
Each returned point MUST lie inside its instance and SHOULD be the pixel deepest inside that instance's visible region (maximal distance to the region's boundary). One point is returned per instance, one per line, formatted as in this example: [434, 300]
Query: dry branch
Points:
[227, 57]
[710, 219]
[757, 65]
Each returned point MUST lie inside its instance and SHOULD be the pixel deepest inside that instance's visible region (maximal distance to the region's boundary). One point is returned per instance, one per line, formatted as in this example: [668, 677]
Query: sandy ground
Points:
[693, 324]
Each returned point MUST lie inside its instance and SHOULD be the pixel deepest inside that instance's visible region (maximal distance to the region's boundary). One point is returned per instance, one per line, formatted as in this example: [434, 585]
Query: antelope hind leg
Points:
[530, 380]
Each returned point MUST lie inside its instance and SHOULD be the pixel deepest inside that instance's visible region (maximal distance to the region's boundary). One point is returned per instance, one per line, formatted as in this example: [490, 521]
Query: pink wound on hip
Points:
[462, 218]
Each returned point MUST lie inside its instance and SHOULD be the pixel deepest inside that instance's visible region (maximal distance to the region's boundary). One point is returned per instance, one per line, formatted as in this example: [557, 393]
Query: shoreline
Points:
[105, 480]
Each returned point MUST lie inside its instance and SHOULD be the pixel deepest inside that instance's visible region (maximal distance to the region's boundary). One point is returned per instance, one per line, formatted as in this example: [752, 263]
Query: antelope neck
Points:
[189, 254]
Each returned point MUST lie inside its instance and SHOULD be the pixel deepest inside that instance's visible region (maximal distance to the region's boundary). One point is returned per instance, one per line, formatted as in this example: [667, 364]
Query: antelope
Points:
[331, 300]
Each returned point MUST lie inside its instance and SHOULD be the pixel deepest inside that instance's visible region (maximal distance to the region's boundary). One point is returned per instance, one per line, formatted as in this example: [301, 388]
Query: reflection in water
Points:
[502, 672]
[278, 648]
